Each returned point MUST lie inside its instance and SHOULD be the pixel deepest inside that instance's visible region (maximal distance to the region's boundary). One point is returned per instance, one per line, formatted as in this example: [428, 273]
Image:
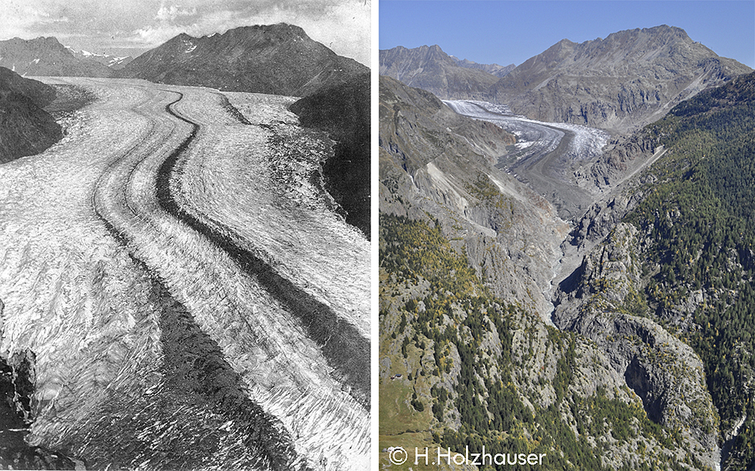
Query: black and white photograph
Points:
[185, 234]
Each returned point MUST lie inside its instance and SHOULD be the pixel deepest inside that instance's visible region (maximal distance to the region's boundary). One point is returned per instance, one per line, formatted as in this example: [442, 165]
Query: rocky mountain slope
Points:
[686, 259]
[627, 80]
[276, 59]
[343, 111]
[25, 128]
[109, 60]
[495, 69]
[431, 69]
[434, 160]
[47, 57]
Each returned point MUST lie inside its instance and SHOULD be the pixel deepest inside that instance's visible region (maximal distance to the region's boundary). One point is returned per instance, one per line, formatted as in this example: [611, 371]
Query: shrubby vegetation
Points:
[459, 314]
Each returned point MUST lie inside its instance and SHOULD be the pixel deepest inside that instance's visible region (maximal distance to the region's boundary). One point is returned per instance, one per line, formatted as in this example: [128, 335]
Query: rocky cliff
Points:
[603, 302]
[431, 69]
[343, 111]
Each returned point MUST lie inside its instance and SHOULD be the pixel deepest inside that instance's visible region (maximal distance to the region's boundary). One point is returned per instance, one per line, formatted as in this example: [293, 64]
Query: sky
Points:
[510, 32]
[130, 27]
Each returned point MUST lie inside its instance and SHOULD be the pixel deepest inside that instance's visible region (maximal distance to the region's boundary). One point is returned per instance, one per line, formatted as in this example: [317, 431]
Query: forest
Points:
[700, 220]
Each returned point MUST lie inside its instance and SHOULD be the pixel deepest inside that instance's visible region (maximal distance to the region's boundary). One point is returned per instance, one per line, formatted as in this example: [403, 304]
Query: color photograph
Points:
[567, 219]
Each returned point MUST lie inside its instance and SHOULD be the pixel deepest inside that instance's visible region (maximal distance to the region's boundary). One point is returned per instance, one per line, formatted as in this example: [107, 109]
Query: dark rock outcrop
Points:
[25, 128]
[343, 111]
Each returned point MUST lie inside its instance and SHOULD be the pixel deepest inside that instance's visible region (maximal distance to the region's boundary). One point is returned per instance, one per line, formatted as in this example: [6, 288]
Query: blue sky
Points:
[506, 32]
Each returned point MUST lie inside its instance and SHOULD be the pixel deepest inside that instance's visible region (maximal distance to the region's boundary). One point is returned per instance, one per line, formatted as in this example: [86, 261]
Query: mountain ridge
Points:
[46, 56]
[620, 83]
[276, 59]
[429, 68]
[108, 60]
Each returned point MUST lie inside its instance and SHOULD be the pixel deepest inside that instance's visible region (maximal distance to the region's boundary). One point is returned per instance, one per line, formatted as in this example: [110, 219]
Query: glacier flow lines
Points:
[123, 199]
[306, 380]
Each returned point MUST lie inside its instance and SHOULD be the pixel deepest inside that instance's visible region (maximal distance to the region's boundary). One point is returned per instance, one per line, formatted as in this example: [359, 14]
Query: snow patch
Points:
[190, 46]
[116, 61]
[523, 144]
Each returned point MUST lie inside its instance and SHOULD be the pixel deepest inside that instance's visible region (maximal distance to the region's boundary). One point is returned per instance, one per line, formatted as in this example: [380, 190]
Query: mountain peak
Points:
[666, 29]
[275, 32]
[278, 59]
[618, 82]
[431, 69]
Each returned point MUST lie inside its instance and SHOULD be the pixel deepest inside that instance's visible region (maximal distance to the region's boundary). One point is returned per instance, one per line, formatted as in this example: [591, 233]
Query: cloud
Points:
[173, 12]
[28, 20]
[152, 37]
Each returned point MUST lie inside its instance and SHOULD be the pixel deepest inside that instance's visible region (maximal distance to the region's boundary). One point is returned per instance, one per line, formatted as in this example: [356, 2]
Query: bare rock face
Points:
[620, 83]
[603, 302]
[438, 163]
[343, 111]
[431, 69]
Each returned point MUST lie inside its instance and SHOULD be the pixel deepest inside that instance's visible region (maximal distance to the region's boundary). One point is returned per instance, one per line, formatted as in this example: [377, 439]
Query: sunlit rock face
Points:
[629, 79]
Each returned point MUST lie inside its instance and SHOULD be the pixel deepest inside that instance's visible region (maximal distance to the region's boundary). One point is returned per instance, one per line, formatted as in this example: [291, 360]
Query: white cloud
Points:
[173, 12]
[154, 36]
[26, 20]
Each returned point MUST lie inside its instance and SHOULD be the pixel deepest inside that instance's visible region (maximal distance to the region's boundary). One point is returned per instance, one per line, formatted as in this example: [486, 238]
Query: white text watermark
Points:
[399, 456]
